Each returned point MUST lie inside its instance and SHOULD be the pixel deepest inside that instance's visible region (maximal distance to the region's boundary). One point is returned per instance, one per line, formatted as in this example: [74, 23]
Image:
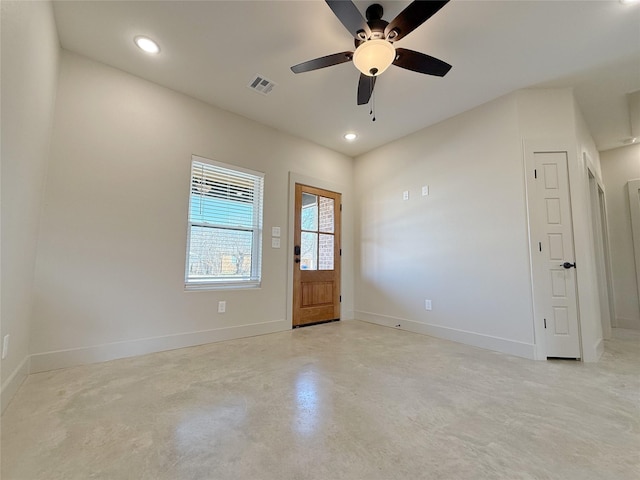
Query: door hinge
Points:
[341, 298]
[535, 173]
[545, 323]
[540, 245]
[340, 207]
[340, 252]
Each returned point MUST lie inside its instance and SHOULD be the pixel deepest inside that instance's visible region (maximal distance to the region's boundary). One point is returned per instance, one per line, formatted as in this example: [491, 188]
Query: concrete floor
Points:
[347, 400]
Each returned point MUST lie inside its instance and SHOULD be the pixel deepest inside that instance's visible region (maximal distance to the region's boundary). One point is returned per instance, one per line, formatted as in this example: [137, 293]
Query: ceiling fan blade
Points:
[421, 63]
[350, 17]
[412, 17]
[322, 62]
[365, 88]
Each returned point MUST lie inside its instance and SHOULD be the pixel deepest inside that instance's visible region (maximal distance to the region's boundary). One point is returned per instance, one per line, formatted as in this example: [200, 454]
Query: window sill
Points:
[207, 287]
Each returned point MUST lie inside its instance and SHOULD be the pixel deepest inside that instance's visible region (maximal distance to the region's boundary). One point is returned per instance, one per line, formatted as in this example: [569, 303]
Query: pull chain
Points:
[372, 106]
[373, 101]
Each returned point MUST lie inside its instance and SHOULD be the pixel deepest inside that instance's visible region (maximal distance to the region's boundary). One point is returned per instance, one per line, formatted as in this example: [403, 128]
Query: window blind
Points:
[225, 225]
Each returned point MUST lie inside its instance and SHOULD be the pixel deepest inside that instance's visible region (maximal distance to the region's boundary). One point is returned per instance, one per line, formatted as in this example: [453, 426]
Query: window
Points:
[317, 235]
[224, 243]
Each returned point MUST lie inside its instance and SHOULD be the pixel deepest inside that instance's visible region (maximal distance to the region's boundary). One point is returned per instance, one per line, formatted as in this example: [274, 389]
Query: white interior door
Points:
[554, 269]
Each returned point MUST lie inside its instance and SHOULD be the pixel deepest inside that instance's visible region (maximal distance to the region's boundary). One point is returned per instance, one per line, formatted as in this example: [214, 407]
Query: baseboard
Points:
[488, 342]
[11, 384]
[42, 362]
[630, 323]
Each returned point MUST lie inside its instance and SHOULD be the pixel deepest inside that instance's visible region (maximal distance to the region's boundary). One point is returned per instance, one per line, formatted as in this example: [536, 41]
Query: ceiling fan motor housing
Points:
[376, 24]
[374, 12]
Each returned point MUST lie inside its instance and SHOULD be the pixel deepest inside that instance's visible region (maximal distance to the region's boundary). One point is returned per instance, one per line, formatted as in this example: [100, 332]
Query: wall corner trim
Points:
[598, 348]
[12, 384]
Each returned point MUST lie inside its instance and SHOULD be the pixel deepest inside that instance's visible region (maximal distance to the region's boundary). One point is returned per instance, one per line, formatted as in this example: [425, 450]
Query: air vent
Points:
[261, 85]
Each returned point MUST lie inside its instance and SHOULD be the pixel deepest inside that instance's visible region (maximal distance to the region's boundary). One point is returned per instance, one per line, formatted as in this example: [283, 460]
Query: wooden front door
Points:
[316, 268]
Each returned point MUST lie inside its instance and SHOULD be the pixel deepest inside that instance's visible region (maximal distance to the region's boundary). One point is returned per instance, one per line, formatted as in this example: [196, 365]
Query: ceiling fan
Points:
[374, 39]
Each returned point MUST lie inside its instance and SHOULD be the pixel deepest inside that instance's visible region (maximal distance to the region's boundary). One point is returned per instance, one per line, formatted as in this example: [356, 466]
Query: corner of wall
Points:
[586, 145]
[30, 61]
[13, 382]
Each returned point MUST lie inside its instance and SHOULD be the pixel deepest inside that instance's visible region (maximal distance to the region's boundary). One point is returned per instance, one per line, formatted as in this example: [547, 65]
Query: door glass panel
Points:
[309, 251]
[325, 249]
[326, 215]
[309, 214]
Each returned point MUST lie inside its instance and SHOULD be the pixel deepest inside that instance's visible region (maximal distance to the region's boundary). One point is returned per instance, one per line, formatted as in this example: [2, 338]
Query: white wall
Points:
[618, 167]
[110, 270]
[466, 245]
[30, 51]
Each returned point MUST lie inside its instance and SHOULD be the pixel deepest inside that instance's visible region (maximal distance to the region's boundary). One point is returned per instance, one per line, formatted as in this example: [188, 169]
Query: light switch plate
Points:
[275, 242]
[425, 190]
[275, 231]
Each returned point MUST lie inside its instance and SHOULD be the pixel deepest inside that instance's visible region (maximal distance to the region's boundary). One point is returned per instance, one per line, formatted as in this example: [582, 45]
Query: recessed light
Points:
[350, 136]
[627, 2]
[146, 44]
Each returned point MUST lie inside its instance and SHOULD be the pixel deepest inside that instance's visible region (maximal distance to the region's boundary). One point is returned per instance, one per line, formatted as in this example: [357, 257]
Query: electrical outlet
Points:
[425, 190]
[5, 346]
[427, 304]
[222, 306]
[405, 195]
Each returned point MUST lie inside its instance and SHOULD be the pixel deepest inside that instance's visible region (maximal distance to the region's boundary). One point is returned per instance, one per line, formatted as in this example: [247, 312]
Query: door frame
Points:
[325, 185]
[633, 186]
[601, 245]
[604, 219]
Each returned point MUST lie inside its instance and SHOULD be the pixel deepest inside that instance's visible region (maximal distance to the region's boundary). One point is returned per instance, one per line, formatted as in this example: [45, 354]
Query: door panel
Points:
[316, 276]
[558, 284]
[555, 284]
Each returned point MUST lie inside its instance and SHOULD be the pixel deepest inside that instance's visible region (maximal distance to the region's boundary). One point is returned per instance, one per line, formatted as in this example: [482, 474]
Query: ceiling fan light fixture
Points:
[374, 57]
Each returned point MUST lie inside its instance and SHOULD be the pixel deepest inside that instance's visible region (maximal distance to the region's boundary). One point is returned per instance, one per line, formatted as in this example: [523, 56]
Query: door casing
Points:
[530, 148]
[601, 242]
[633, 189]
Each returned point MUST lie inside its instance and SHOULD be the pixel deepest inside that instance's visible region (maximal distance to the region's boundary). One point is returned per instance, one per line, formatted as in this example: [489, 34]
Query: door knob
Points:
[568, 265]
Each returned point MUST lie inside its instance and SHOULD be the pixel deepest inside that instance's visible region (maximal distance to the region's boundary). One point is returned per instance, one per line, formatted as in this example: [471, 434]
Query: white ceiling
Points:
[211, 50]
